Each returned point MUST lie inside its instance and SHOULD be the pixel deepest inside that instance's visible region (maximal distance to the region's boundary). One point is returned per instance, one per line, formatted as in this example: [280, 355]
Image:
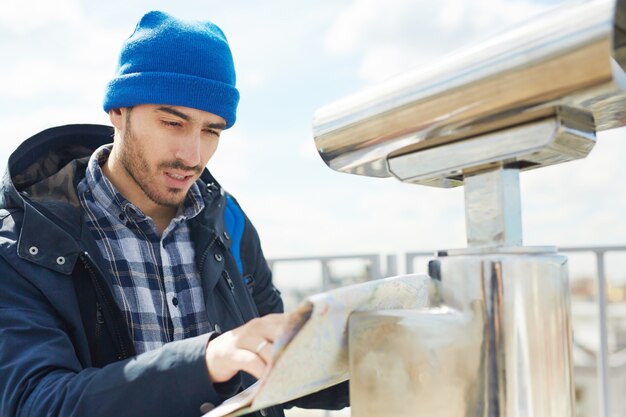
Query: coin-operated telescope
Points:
[497, 341]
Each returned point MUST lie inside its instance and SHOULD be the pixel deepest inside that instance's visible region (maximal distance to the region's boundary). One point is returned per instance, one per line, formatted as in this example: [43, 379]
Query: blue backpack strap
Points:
[235, 223]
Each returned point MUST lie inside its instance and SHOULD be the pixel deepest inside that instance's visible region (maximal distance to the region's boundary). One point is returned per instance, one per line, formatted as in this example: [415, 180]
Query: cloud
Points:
[346, 33]
[250, 79]
[55, 50]
[20, 18]
[30, 78]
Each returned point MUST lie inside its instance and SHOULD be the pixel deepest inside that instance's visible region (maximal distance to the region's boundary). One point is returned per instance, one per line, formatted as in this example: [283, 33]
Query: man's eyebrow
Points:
[220, 126]
[174, 112]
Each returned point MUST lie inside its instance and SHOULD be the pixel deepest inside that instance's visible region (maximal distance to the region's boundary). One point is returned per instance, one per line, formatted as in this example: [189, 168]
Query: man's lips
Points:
[175, 178]
[178, 175]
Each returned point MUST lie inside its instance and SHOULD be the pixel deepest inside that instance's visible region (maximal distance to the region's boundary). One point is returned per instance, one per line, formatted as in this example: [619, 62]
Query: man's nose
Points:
[188, 150]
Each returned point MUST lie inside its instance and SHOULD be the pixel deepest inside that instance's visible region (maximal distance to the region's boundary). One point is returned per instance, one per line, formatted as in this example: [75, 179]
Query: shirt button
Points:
[263, 412]
[33, 250]
[175, 301]
[218, 257]
[121, 216]
[218, 329]
[206, 407]
[60, 260]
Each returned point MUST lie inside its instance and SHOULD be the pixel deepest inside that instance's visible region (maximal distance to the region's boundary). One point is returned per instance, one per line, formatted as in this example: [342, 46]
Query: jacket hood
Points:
[40, 159]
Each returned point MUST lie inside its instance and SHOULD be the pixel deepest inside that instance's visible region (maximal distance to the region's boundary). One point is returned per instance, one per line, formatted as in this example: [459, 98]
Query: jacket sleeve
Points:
[40, 374]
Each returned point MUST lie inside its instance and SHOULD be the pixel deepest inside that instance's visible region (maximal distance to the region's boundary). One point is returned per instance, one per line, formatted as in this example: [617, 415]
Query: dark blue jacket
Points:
[65, 349]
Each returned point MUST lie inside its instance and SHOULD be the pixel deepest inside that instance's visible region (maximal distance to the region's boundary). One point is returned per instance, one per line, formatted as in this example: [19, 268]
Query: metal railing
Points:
[601, 297]
[375, 270]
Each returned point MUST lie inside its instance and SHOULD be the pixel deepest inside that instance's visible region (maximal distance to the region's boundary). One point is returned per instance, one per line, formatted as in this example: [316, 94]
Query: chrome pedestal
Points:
[499, 344]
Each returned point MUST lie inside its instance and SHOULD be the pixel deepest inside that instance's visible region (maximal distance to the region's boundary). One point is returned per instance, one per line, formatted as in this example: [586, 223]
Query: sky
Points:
[293, 57]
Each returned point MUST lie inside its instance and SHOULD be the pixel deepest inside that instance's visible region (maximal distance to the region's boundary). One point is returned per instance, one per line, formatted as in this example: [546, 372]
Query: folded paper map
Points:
[312, 352]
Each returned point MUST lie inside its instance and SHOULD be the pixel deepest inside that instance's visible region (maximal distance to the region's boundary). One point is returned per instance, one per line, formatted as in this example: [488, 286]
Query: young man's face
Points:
[163, 149]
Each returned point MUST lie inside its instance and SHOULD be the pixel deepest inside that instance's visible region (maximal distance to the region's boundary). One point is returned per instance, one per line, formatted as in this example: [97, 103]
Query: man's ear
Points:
[115, 115]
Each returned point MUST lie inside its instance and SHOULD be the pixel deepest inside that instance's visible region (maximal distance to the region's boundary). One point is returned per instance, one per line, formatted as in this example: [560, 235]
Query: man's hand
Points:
[247, 348]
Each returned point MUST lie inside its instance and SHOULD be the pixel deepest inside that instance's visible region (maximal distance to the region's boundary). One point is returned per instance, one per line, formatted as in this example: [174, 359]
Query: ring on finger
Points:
[260, 347]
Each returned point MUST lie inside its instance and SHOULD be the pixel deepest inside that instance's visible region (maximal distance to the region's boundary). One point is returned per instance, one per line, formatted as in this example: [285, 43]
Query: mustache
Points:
[179, 165]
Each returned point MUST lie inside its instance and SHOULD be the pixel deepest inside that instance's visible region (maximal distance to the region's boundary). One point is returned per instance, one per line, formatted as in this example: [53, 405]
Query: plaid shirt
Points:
[155, 278]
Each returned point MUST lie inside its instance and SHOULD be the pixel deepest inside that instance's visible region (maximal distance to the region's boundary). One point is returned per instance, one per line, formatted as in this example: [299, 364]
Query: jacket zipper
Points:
[86, 261]
[231, 285]
[99, 318]
[99, 323]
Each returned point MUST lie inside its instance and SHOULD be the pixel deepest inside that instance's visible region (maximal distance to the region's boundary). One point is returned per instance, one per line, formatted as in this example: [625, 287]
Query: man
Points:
[132, 284]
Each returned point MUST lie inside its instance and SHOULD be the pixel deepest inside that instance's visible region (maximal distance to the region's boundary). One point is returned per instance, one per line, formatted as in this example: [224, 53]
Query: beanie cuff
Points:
[174, 90]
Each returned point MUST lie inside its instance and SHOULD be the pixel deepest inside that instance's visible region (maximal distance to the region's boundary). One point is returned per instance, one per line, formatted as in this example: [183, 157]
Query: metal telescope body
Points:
[496, 339]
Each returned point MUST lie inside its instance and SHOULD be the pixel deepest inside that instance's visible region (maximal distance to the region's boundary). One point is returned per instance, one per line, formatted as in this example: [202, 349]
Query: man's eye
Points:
[170, 123]
[212, 132]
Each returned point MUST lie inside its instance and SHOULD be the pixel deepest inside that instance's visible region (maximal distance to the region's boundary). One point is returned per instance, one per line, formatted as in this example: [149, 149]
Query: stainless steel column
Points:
[502, 347]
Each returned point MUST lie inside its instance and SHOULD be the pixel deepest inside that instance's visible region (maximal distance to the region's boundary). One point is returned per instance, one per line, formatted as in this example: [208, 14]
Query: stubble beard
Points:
[138, 169]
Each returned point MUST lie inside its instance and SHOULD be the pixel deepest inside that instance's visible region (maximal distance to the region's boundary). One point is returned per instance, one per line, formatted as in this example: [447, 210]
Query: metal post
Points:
[376, 271]
[493, 214]
[603, 353]
[325, 276]
[392, 266]
[408, 262]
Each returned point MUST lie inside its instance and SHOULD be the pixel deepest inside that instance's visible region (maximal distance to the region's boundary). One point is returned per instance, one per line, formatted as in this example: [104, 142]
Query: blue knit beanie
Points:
[178, 63]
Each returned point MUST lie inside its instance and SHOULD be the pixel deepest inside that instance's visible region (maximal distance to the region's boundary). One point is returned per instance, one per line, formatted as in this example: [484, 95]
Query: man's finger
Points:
[251, 363]
[268, 327]
[258, 345]
[265, 350]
